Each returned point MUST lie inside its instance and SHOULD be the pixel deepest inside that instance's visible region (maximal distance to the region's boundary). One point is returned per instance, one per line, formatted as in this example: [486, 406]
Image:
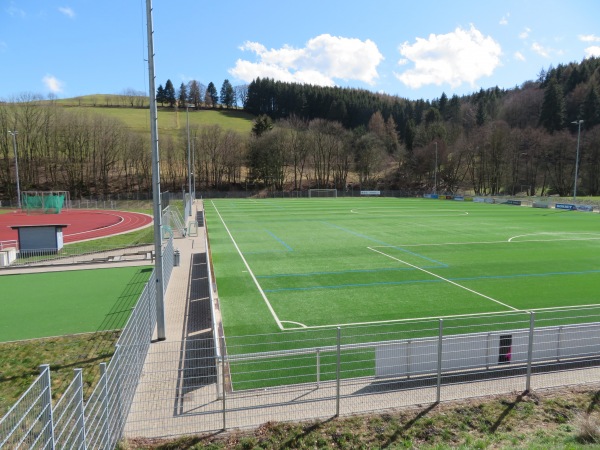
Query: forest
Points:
[528, 140]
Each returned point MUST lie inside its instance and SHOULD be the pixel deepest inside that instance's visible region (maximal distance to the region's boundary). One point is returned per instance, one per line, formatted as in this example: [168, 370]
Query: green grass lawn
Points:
[171, 121]
[63, 303]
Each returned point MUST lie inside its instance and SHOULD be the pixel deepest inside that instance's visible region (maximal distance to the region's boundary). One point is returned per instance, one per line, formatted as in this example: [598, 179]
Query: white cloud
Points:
[462, 56]
[525, 33]
[519, 56]
[321, 61]
[592, 51]
[540, 50]
[67, 11]
[589, 38]
[53, 84]
[504, 19]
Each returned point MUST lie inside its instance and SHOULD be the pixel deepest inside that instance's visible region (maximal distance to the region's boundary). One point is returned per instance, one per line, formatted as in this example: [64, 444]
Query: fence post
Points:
[223, 382]
[318, 368]
[80, 407]
[530, 350]
[116, 360]
[439, 362]
[47, 399]
[104, 403]
[337, 373]
[559, 343]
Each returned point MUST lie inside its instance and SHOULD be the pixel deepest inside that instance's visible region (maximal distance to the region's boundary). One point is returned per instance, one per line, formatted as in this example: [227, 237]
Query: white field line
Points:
[412, 319]
[577, 307]
[575, 237]
[262, 293]
[444, 279]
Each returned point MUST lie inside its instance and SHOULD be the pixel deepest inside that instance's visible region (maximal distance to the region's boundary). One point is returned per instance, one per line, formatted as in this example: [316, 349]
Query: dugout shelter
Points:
[36, 239]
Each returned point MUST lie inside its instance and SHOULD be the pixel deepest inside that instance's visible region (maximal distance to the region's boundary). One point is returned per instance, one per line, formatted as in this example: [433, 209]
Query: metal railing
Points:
[313, 374]
[72, 254]
[98, 424]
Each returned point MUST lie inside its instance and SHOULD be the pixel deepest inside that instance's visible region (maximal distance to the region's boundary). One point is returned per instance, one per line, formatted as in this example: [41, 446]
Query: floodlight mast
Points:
[14, 137]
[157, 207]
[578, 123]
[189, 162]
[436, 169]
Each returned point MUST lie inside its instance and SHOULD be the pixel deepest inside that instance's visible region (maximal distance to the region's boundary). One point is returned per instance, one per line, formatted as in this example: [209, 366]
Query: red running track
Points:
[82, 225]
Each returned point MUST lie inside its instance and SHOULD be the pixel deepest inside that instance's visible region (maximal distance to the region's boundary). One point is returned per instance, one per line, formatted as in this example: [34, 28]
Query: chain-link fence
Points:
[34, 423]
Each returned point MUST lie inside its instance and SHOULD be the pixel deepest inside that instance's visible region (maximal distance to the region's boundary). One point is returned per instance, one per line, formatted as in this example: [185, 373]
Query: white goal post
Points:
[322, 193]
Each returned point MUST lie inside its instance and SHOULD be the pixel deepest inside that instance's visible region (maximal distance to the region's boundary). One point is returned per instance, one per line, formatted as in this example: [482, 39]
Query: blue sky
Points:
[415, 49]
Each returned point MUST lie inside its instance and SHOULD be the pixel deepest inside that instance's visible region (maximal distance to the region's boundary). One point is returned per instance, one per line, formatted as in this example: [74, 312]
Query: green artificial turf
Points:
[345, 261]
[62, 303]
[385, 269]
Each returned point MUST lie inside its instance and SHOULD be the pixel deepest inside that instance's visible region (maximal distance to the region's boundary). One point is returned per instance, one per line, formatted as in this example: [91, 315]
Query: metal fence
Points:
[74, 254]
[188, 388]
[34, 423]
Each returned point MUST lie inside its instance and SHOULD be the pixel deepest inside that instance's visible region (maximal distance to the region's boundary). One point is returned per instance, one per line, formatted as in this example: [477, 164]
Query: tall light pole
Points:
[578, 122]
[156, 203]
[187, 115]
[436, 169]
[14, 137]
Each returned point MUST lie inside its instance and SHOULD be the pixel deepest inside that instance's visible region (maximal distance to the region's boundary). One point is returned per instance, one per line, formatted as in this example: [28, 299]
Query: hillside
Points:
[539, 138]
[170, 120]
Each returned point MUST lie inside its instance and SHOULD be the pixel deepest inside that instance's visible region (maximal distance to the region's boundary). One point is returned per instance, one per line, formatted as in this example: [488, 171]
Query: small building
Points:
[36, 239]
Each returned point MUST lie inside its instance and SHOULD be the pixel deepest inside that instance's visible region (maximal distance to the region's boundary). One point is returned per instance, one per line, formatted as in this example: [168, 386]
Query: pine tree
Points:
[590, 109]
[160, 94]
[170, 93]
[211, 95]
[182, 95]
[227, 94]
[553, 110]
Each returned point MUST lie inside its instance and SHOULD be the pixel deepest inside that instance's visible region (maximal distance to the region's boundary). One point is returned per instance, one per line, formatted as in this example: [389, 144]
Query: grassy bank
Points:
[566, 419]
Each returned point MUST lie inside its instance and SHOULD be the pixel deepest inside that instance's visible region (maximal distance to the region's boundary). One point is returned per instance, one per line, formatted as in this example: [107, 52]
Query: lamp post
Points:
[578, 122]
[14, 137]
[189, 160]
[436, 170]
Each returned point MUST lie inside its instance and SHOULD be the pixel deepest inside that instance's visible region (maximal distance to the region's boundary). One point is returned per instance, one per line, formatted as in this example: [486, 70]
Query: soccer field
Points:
[296, 264]
[59, 303]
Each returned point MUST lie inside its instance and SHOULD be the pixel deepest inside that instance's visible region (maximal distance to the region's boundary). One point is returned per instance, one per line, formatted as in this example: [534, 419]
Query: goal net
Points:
[322, 193]
[44, 202]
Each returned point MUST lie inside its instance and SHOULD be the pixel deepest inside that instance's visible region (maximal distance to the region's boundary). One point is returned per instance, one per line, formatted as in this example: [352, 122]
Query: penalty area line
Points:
[260, 290]
[443, 279]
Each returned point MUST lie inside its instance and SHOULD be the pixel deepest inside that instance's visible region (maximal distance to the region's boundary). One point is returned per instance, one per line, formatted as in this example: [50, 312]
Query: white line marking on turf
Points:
[444, 279]
[574, 238]
[249, 270]
[454, 316]
[301, 325]
[415, 319]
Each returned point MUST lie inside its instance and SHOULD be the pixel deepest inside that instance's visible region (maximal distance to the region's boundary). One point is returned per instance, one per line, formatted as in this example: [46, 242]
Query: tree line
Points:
[493, 141]
[196, 95]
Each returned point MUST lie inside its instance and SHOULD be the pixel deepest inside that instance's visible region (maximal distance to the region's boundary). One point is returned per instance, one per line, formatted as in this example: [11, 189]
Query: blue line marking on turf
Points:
[290, 249]
[342, 272]
[438, 263]
[389, 283]
[341, 286]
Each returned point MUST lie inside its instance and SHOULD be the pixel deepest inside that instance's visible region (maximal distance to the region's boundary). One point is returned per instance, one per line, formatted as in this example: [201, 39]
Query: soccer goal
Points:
[44, 202]
[322, 193]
